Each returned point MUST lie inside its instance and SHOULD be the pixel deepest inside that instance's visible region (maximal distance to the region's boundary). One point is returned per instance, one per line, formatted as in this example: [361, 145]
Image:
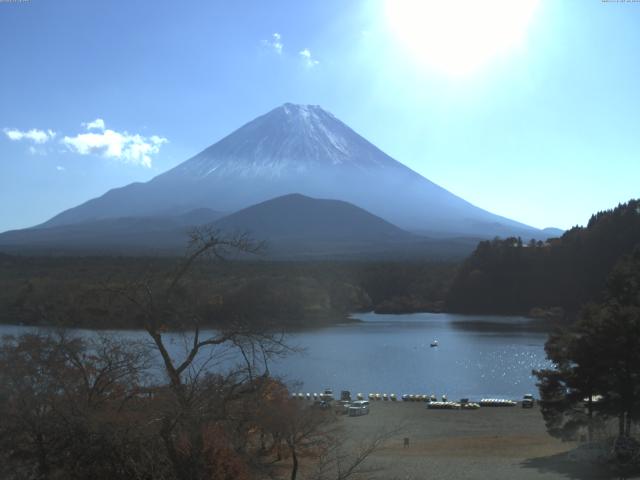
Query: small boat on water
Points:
[434, 343]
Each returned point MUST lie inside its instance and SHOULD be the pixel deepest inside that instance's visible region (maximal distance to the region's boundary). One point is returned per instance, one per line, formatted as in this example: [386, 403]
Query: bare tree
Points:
[201, 400]
[62, 401]
[345, 459]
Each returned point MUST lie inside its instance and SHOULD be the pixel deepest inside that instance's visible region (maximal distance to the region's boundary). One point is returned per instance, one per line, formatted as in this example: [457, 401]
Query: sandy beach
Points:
[490, 443]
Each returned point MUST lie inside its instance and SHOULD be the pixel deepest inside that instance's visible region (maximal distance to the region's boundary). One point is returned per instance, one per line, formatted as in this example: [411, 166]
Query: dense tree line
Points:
[70, 291]
[512, 276]
[596, 365]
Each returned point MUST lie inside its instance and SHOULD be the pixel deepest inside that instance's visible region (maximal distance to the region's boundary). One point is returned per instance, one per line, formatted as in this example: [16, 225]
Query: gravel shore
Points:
[489, 443]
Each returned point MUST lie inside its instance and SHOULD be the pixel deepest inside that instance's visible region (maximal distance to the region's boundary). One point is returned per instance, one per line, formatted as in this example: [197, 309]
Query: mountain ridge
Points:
[293, 227]
[303, 149]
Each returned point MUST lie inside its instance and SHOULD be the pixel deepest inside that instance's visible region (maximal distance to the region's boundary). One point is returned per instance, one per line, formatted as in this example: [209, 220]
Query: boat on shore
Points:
[497, 402]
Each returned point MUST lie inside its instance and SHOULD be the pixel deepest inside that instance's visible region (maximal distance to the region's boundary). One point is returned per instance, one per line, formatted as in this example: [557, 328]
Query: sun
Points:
[457, 37]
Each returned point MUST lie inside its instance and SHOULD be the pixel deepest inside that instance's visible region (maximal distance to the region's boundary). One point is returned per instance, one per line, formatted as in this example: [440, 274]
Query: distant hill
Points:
[297, 226]
[551, 232]
[509, 276]
[298, 217]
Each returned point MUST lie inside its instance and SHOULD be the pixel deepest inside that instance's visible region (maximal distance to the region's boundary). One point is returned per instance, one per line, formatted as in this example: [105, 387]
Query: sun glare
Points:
[460, 36]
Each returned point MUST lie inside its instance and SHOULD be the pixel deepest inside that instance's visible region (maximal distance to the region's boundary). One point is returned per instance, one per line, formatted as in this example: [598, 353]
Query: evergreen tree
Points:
[596, 372]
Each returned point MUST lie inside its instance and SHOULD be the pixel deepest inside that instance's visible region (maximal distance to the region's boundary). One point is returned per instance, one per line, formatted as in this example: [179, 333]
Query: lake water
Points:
[477, 356]
[392, 354]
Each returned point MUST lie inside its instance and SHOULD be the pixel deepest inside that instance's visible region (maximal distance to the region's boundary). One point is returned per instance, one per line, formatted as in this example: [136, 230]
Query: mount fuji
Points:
[298, 149]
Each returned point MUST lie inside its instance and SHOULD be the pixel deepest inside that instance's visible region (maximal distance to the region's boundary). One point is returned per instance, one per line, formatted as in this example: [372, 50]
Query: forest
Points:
[76, 291]
[511, 276]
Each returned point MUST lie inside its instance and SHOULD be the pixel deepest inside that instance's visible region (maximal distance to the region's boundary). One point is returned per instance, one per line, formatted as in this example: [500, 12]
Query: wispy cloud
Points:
[60, 168]
[274, 43]
[33, 150]
[97, 124]
[308, 59]
[34, 135]
[123, 146]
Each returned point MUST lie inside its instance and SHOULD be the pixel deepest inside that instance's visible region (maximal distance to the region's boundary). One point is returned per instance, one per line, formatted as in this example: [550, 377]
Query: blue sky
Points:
[546, 132]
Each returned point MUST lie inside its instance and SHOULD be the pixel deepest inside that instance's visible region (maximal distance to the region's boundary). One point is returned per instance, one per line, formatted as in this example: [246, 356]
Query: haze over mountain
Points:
[292, 226]
[304, 149]
[134, 235]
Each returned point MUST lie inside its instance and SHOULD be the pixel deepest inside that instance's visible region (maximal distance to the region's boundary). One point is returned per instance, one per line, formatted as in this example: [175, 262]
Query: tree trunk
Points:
[43, 464]
[590, 415]
[621, 424]
[294, 457]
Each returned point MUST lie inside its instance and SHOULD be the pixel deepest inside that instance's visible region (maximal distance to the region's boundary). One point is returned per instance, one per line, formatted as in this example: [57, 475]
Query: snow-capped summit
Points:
[291, 139]
[303, 149]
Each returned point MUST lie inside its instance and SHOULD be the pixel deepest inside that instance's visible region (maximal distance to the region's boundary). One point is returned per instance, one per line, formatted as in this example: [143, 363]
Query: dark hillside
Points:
[509, 276]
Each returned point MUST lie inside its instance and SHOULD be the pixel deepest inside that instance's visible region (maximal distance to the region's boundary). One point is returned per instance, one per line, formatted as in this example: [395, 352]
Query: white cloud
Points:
[275, 42]
[34, 135]
[60, 168]
[122, 146]
[97, 124]
[309, 61]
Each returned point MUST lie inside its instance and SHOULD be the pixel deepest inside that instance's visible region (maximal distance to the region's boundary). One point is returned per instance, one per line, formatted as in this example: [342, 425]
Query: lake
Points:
[477, 356]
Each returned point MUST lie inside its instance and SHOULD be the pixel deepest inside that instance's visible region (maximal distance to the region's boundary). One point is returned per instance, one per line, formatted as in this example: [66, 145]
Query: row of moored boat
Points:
[433, 401]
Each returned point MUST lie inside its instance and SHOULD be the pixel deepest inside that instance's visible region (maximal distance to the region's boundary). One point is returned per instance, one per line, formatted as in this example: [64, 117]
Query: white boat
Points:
[434, 343]
[497, 402]
[443, 405]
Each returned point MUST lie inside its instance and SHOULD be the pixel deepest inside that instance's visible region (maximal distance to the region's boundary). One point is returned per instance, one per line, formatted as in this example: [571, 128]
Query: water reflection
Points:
[392, 353]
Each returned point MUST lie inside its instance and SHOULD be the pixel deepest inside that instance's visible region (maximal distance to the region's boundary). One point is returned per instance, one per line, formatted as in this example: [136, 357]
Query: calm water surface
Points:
[392, 354]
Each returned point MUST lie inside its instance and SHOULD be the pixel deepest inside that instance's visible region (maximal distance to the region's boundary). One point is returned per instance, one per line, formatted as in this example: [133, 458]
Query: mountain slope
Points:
[158, 234]
[293, 227]
[296, 148]
[297, 217]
